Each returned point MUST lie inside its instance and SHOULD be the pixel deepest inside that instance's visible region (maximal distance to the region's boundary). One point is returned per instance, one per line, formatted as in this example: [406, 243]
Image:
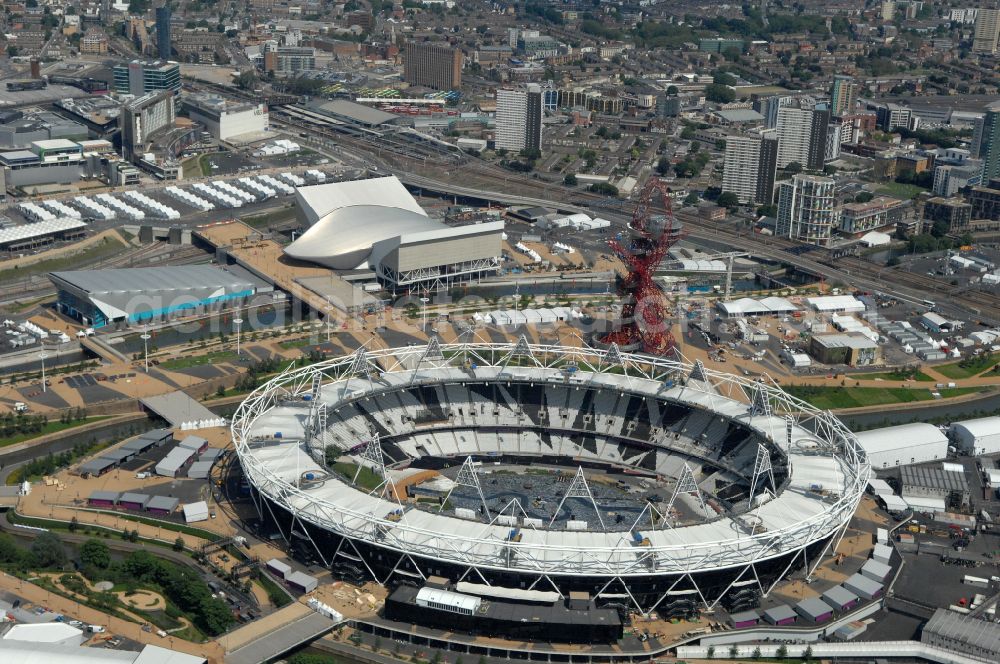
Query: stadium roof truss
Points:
[802, 432]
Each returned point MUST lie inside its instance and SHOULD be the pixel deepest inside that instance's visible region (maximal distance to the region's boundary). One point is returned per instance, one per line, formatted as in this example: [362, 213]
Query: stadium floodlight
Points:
[372, 453]
[698, 371]
[579, 488]
[468, 477]
[761, 466]
[759, 404]
[686, 484]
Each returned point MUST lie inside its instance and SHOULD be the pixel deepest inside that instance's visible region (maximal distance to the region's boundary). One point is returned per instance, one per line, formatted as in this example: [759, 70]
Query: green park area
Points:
[837, 397]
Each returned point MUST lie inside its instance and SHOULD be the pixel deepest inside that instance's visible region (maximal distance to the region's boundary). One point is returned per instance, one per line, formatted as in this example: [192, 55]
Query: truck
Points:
[20, 407]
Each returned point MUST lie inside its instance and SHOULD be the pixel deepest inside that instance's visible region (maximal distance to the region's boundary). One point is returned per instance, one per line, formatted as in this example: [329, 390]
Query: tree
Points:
[720, 144]
[756, 653]
[864, 197]
[782, 651]
[663, 166]
[793, 168]
[531, 154]
[604, 188]
[691, 199]
[672, 90]
[95, 553]
[733, 652]
[720, 94]
[768, 210]
[710, 653]
[808, 654]
[728, 199]
[830, 169]
[723, 78]
[74, 524]
[47, 551]
[179, 543]
[215, 615]
[570, 180]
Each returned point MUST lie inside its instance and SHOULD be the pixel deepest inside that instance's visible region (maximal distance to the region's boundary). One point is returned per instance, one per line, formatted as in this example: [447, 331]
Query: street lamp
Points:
[424, 301]
[145, 346]
[43, 356]
[238, 322]
[327, 310]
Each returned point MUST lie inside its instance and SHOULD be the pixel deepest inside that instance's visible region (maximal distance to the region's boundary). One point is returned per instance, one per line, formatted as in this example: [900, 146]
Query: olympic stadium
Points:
[645, 482]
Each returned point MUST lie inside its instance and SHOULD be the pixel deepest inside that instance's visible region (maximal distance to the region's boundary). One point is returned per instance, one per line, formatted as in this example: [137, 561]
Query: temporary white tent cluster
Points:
[203, 424]
[278, 185]
[578, 221]
[747, 306]
[156, 208]
[93, 209]
[516, 318]
[184, 196]
[220, 198]
[528, 251]
[120, 207]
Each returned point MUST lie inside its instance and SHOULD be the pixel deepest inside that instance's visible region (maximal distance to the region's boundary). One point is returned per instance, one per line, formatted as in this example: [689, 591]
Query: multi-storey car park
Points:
[760, 484]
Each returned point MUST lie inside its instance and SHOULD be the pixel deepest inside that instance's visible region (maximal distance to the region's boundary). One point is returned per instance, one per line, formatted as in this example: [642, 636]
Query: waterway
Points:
[259, 318]
[940, 413]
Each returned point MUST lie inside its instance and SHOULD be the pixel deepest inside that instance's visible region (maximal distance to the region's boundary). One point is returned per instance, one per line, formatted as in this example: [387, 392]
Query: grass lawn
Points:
[367, 478]
[920, 376]
[834, 398]
[294, 343]
[900, 190]
[191, 167]
[188, 361]
[50, 427]
[70, 261]
[967, 368]
[271, 217]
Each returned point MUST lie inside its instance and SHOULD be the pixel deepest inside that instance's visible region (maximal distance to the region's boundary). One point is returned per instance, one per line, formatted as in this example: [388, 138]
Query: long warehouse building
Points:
[979, 436]
[101, 297]
[376, 224]
[904, 445]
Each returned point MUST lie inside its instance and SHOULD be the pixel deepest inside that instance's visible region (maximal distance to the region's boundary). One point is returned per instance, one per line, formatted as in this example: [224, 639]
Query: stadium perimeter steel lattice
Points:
[775, 480]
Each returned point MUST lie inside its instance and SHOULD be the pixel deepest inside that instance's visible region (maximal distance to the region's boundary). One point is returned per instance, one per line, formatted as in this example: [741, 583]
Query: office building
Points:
[986, 142]
[843, 95]
[143, 118]
[224, 118]
[139, 78]
[987, 33]
[432, 65]
[950, 178]
[287, 60]
[894, 116]
[802, 136]
[749, 166]
[806, 209]
[519, 118]
[163, 48]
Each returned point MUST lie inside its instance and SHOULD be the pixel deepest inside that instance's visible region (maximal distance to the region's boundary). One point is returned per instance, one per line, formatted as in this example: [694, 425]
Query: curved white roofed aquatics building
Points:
[377, 224]
[753, 484]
